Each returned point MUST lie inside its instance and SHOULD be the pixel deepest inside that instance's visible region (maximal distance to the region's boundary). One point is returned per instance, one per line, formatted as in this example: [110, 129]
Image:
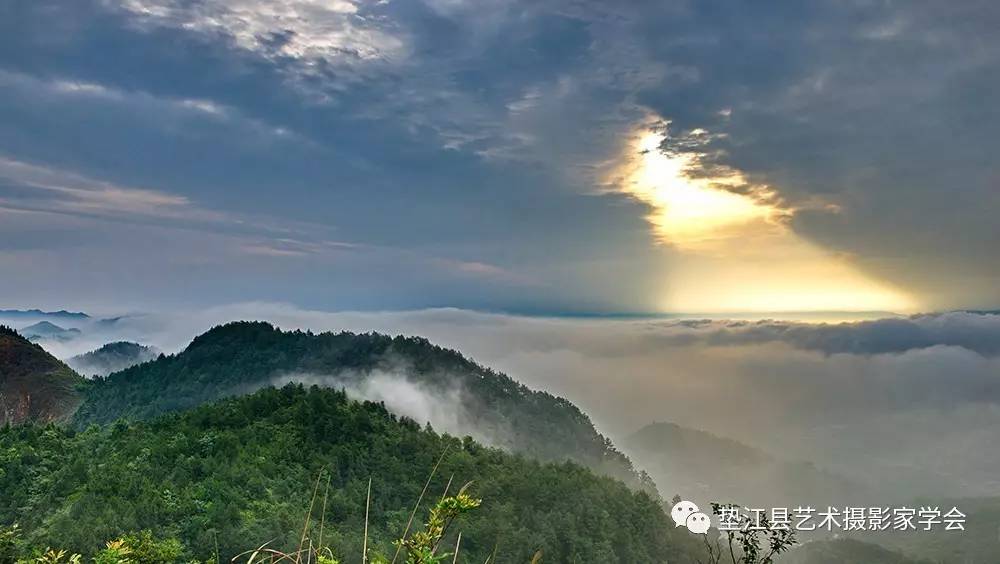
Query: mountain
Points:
[841, 551]
[235, 474]
[34, 385]
[703, 467]
[240, 357]
[44, 330]
[26, 314]
[112, 357]
[979, 542]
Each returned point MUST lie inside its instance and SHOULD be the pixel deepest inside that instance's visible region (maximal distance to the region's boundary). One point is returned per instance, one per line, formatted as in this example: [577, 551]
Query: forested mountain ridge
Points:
[111, 357]
[239, 357]
[234, 474]
[34, 385]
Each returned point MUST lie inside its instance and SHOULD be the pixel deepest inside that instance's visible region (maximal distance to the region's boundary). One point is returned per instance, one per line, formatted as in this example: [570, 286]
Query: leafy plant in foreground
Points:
[421, 547]
[748, 542]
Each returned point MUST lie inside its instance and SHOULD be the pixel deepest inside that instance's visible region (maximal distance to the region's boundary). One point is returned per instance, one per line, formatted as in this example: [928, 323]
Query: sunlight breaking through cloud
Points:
[736, 253]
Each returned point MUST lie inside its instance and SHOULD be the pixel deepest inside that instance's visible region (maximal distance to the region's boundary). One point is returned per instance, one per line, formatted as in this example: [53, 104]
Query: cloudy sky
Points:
[564, 156]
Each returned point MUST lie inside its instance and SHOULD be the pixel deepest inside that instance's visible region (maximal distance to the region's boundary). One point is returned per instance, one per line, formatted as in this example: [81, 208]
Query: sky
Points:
[564, 156]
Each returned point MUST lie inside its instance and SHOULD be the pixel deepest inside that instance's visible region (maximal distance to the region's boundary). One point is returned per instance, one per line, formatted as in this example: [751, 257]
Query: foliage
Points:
[53, 556]
[422, 546]
[219, 475]
[140, 548]
[11, 545]
[240, 357]
[749, 542]
[34, 385]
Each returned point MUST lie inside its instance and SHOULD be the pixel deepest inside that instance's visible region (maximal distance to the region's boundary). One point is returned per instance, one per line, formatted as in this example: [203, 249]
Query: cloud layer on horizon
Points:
[916, 397]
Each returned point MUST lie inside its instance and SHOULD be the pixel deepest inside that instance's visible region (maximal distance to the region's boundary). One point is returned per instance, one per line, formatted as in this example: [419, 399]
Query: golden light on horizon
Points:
[734, 252]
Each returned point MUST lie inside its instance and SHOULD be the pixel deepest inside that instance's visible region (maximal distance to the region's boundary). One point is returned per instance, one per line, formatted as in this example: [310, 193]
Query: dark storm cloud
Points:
[471, 131]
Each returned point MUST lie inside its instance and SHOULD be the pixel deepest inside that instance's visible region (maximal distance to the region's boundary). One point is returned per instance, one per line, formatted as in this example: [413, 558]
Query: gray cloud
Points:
[979, 333]
[472, 131]
[924, 419]
[448, 410]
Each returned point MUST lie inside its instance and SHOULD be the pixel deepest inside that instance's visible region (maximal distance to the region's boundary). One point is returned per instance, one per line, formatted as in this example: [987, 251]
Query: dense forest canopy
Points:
[187, 455]
[237, 473]
[34, 385]
[239, 357]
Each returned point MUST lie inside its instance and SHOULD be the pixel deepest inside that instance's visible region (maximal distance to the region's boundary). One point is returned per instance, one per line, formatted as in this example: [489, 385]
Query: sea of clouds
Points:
[911, 400]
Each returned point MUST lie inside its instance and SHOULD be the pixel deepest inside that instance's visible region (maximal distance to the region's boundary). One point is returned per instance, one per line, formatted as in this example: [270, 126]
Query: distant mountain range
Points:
[34, 385]
[39, 314]
[112, 357]
[701, 466]
[45, 330]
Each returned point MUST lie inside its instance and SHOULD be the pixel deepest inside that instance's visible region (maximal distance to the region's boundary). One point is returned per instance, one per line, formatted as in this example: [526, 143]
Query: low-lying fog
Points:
[914, 402]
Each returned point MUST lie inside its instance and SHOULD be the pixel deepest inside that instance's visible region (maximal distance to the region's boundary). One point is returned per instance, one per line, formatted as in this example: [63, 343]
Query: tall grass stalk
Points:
[420, 499]
[368, 502]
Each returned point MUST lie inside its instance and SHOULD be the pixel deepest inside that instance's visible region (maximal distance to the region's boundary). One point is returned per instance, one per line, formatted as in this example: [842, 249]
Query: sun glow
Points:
[731, 248]
[689, 212]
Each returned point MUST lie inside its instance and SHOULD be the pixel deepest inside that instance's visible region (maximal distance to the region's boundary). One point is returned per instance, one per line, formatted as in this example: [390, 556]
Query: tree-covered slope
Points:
[240, 357]
[240, 472]
[34, 385]
[111, 357]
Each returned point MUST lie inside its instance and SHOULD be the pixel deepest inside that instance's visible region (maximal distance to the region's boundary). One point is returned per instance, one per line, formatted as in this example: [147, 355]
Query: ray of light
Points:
[733, 250]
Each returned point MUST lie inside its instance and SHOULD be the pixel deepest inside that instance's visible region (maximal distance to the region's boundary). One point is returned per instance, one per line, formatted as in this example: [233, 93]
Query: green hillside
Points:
[240, 357]
[34, 385]
[238, 473]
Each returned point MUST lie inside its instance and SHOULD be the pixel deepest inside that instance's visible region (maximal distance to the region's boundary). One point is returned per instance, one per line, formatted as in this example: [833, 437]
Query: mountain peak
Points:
[234, 331]
[243, 356]
[46, 330]
[44, 326]
[112, 357]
